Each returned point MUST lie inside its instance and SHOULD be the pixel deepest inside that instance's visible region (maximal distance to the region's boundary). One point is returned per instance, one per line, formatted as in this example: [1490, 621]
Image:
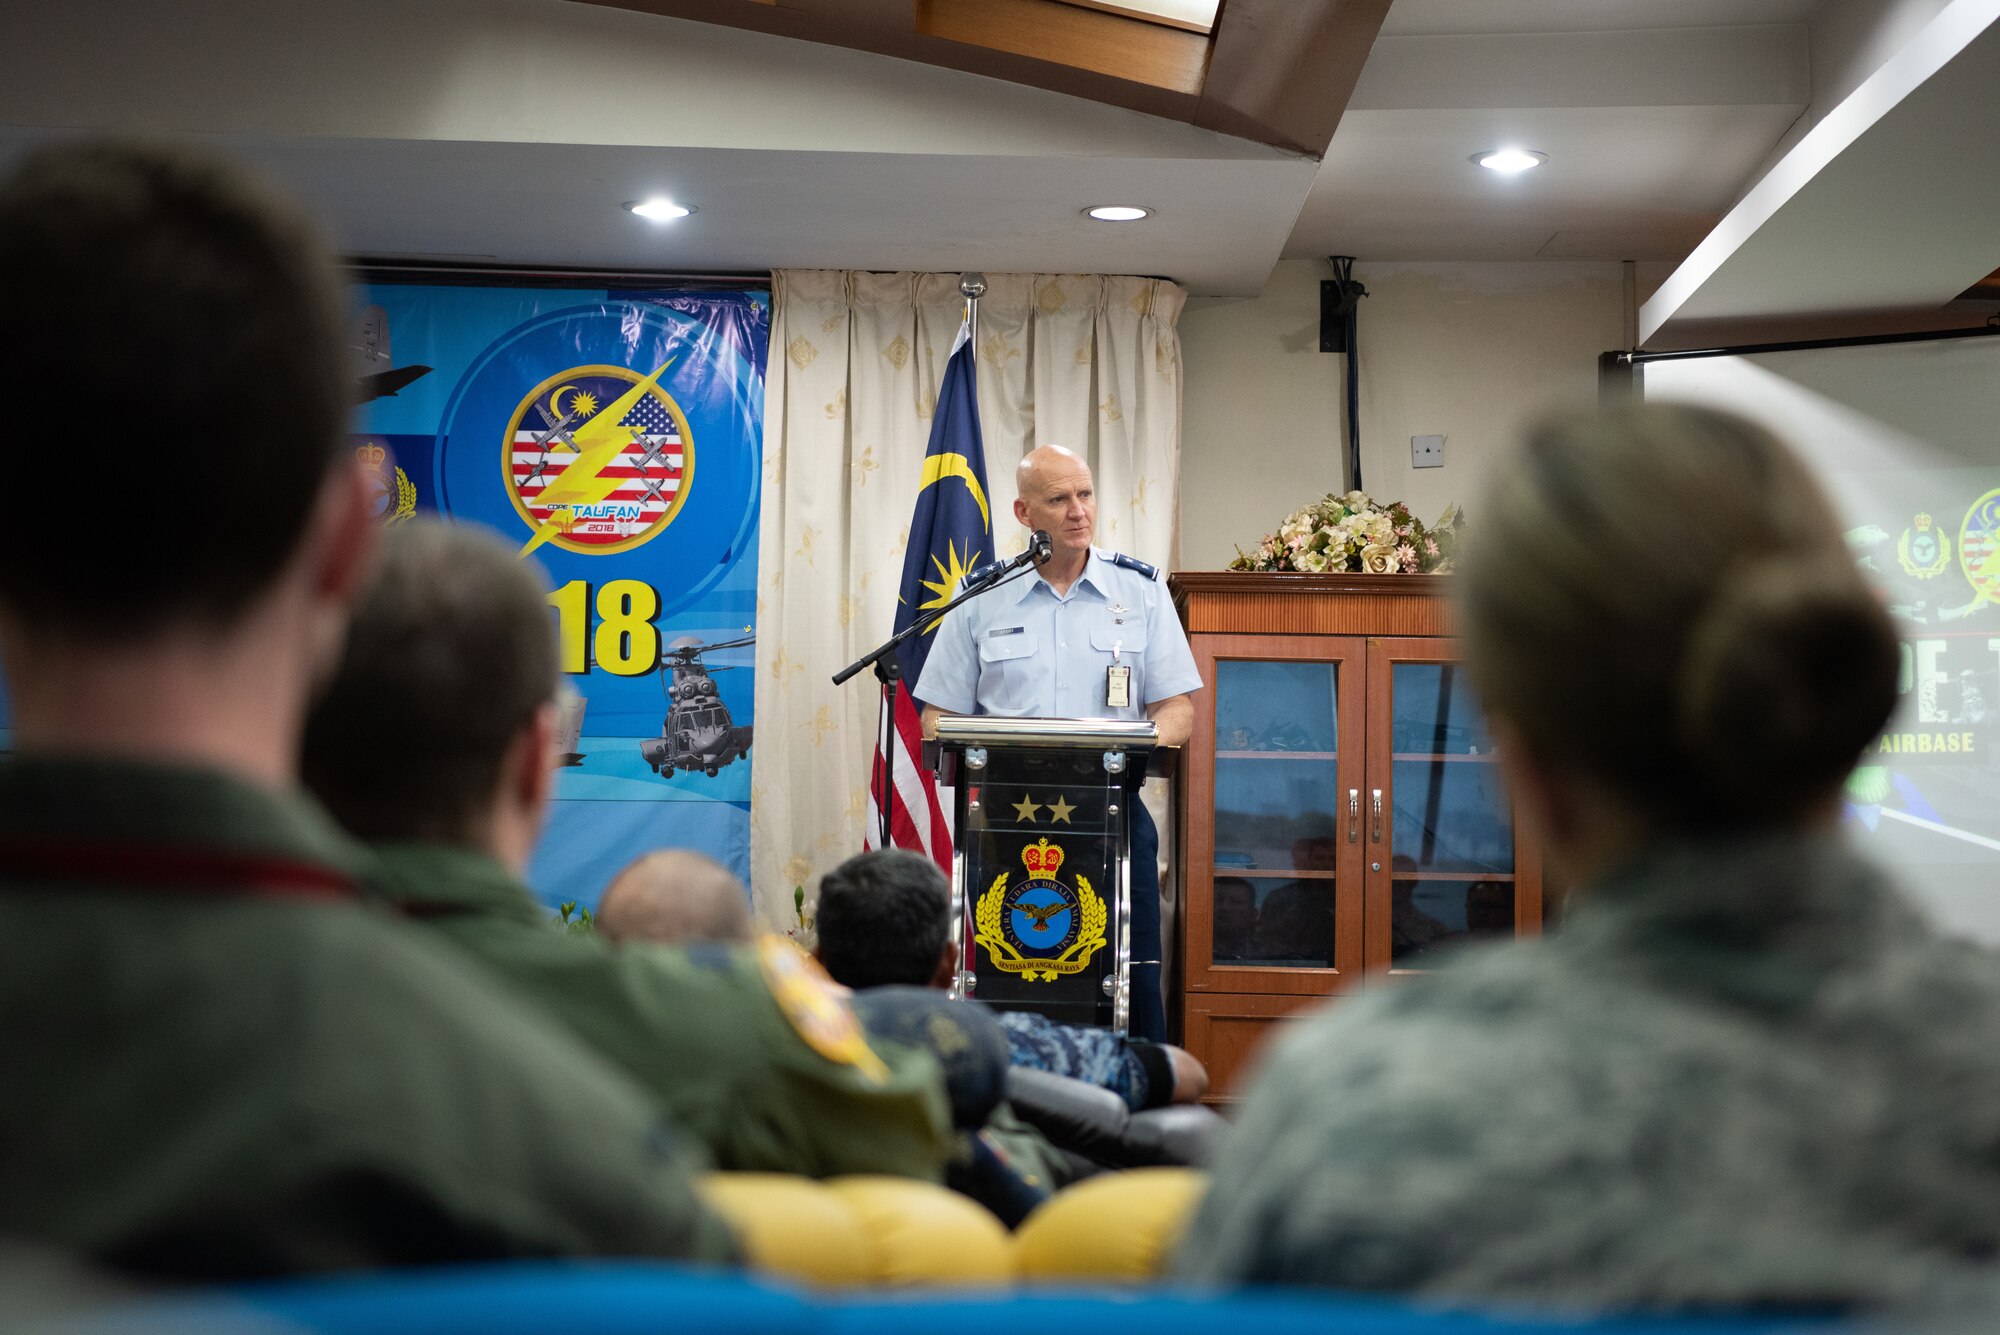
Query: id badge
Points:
[1118, 687]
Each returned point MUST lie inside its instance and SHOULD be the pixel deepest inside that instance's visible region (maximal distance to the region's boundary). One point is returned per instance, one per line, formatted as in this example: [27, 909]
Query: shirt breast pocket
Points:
[1121, 642]
[1010, 672]
[1126, 638]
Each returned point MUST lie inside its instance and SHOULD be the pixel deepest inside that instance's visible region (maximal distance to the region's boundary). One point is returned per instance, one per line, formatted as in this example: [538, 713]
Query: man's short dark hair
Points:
[883, 918]
[450, 655]
[189, 325]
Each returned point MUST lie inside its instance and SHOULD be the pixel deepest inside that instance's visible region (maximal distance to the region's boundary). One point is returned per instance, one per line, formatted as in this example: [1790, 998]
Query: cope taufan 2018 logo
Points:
[598, 459]
[1043, 929]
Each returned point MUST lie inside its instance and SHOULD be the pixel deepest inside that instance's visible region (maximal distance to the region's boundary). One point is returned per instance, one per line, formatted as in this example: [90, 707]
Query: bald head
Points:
[1054, 492]
[675, 897]
[1038, 465]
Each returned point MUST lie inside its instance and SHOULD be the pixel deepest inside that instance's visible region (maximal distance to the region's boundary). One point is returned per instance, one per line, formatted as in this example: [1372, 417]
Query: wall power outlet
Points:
[1427, 451]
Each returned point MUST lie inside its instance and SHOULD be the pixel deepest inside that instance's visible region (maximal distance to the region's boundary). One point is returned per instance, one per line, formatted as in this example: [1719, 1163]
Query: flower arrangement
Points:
[1355, 534]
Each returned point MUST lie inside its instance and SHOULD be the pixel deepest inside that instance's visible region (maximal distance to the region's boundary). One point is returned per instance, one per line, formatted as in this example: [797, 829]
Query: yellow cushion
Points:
[1116, 1226]
[919, 1235]
[791, 1227]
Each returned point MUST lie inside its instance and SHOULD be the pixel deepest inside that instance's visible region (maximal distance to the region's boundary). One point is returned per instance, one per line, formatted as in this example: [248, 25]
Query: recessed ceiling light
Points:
[658, 209]
[1118, 213]
[1508, 161]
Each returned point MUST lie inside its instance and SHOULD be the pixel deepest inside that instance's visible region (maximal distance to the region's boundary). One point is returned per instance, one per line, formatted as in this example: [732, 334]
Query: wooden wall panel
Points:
[1226, 1032]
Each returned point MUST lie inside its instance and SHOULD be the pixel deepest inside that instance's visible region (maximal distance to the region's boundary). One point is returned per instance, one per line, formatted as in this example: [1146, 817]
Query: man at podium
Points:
[1090, 634]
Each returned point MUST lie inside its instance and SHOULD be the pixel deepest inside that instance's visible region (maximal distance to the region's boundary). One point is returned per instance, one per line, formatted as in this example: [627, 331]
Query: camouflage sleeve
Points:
[1096, 1056]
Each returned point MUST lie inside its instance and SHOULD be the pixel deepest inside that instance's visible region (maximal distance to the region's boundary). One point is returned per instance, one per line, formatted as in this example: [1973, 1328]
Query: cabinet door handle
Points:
[1378, 815]
[1354, 815]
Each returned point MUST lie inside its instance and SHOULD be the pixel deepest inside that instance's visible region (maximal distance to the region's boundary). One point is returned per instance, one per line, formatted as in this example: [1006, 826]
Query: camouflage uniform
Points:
[220, 1064]
[700, 1028]
[1740, 1073]
[1133, 1069]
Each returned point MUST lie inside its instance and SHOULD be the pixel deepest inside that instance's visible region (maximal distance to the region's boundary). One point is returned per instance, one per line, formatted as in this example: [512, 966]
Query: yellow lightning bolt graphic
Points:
[598, 442]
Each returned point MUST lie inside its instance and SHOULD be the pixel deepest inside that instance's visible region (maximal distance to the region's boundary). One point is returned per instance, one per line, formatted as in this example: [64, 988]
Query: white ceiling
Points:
[1654, 114]
[1459, 16]
[1883, 210]
[511, 130]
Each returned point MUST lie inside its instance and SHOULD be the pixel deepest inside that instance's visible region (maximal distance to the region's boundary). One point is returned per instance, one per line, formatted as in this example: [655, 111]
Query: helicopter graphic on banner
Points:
[698, 733]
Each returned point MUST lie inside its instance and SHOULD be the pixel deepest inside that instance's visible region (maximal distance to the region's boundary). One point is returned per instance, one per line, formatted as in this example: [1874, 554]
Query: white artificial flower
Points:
[1379, 559]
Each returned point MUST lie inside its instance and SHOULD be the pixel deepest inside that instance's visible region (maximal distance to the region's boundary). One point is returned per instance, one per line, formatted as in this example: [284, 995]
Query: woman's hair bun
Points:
[1789, 671]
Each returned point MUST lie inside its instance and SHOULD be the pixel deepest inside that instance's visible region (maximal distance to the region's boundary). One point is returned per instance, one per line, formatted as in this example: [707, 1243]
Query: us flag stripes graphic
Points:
[949, 528]
[650, 472]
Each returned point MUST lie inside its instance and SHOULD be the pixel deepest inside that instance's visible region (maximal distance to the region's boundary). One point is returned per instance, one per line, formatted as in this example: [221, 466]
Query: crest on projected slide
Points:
[597, 459]
[1923, 551]
[391, 494]
[1042, 928]
[1979, 554]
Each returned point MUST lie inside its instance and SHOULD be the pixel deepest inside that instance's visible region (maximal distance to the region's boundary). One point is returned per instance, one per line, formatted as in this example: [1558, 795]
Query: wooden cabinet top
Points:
[1239, 602]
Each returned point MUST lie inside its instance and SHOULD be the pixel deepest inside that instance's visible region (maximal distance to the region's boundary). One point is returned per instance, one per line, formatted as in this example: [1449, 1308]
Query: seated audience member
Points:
[1235, 929]
[885, 918]
[434, 743]
[676, 896]
[1743, 1071]
[220, 1062]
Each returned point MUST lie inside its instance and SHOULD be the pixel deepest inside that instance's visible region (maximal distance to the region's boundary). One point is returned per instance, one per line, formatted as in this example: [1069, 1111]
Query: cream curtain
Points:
[1089, 362]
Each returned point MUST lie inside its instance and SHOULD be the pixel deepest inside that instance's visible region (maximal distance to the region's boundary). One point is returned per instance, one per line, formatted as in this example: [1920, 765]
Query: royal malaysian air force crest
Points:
[1923, 551]
[1042, 929]
[598, 459]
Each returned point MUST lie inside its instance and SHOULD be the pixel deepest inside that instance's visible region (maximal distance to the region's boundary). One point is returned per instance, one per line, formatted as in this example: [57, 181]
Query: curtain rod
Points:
[417, 272]
[1807, 345]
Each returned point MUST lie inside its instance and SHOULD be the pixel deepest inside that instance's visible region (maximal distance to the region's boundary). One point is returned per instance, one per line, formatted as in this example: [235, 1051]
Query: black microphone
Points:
[1040, 549]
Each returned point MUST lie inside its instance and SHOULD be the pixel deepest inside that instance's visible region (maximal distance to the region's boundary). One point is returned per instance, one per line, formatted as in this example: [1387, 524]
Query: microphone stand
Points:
[889, 669]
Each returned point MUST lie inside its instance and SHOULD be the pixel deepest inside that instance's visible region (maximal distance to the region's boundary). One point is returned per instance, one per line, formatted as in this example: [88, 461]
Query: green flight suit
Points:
[698, 1027]
[221, 1063]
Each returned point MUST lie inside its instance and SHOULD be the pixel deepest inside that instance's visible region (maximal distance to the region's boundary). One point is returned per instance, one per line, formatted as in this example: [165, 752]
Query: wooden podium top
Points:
[1241, 602]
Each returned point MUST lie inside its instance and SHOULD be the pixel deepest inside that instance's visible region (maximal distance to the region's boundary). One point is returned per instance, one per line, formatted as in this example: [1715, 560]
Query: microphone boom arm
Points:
[1037, 553]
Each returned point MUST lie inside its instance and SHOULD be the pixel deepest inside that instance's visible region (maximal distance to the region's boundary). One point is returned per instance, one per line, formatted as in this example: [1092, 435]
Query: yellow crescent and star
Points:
[597, 443]
[955, 566]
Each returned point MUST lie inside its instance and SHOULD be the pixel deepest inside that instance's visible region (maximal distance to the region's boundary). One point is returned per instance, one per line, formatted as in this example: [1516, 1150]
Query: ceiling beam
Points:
[1282, 71]
[1063, 35]
[1275, 72]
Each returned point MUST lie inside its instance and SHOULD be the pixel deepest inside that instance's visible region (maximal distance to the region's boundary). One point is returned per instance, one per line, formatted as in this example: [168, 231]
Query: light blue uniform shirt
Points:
[1025, 651]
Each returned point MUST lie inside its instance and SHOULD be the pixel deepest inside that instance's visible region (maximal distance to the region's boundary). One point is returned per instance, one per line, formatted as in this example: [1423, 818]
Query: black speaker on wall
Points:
[1337, 299]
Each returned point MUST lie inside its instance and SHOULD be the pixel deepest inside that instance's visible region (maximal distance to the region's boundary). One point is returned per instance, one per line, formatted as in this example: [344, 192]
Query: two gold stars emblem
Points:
[1025, 809]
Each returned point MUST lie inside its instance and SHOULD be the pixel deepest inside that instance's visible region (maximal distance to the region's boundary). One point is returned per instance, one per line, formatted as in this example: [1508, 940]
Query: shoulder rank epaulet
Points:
[1134, 563]
[978, 573]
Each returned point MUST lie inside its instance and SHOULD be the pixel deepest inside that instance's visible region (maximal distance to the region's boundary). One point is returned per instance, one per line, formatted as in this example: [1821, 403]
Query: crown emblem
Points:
[1042, 860]
[1923, 522]
[371, 454]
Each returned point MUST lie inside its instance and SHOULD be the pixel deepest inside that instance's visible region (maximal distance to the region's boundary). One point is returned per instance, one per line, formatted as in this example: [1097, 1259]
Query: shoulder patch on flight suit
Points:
[1134, 563]
[816, 1007]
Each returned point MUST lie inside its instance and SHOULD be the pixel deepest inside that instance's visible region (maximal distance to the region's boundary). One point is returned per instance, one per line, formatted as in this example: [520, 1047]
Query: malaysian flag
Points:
[950, 533]
[649, 473]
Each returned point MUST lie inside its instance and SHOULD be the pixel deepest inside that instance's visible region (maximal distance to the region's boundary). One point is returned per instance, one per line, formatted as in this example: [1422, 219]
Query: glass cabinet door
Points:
[1448, 865]
[1280, 853]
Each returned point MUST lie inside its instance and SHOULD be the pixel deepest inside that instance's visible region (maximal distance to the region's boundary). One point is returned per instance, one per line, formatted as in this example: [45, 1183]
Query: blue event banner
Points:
[616, 438]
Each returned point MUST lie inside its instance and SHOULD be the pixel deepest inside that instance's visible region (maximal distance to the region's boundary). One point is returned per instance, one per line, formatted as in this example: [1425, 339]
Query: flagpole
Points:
[973, 286]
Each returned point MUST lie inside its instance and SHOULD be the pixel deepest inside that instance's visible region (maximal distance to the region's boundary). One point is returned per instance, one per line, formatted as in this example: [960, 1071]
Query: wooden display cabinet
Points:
[1344, 814]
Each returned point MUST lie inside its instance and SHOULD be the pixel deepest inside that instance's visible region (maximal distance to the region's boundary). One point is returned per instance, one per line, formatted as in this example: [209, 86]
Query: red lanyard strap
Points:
[171, 867]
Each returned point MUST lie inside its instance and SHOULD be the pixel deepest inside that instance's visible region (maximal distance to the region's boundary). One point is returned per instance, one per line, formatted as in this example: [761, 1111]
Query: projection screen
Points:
[1906, 438]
